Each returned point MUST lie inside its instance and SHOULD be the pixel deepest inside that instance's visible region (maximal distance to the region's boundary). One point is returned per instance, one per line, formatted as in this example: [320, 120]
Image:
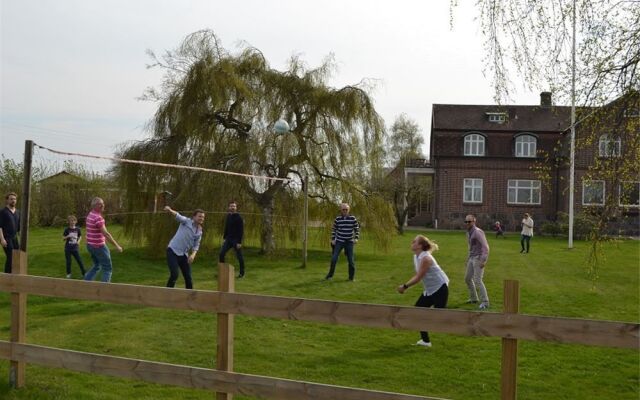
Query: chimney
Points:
[545, 99]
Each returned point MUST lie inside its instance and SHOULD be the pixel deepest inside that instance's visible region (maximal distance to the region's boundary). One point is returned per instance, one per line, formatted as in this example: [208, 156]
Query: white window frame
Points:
[620, 188]
[473, 184]
[604, 192]
[605, 149]
[474, 140]
[497, 117]
[531, 145]
[518, 184]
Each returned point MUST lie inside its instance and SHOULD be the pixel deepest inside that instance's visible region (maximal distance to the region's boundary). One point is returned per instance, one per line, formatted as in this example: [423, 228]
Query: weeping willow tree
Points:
[216, 109]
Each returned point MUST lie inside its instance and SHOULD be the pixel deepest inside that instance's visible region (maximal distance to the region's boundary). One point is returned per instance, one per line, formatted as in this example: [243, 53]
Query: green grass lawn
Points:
[553, 281]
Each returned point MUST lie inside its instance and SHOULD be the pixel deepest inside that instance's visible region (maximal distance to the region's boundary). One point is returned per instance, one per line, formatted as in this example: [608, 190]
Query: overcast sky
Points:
[72, 71]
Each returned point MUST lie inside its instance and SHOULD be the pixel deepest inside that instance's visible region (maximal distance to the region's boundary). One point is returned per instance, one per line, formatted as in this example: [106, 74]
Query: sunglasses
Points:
[468, 222]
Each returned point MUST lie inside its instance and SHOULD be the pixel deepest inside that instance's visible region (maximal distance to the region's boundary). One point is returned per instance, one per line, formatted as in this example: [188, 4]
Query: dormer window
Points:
[474, 145]
[497, 117]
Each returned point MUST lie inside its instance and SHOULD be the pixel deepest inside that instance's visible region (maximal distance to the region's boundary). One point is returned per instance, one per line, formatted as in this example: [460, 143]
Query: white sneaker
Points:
[484, 306]
[68, 276]
[423, 343]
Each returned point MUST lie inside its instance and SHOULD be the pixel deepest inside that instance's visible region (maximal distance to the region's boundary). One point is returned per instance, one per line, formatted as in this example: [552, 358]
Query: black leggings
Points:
[437, 300]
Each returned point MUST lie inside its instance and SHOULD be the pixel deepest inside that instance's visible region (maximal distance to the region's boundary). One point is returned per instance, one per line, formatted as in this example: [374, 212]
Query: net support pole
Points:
[18, 334]
[26, 195]
[572, 144]
[305, 222]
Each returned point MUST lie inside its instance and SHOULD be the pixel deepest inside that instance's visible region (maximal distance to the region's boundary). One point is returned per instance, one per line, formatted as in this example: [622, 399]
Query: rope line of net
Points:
[184, 212]
[158, 164]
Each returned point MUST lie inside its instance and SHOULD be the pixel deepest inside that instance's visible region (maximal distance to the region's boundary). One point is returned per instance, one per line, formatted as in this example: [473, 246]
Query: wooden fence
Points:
[508, 325]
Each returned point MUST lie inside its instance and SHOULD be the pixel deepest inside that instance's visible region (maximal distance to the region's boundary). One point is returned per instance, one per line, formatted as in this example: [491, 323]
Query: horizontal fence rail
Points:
[459, 322]
[189, 377]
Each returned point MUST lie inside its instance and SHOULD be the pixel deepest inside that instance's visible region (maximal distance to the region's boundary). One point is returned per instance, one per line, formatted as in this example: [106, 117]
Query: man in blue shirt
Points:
[186, 239]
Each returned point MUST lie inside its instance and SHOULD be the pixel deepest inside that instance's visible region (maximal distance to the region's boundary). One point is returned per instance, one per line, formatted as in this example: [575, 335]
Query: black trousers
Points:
[68, 253]
[228, 245]
[178, 263]
[437, 300]
[12, 244]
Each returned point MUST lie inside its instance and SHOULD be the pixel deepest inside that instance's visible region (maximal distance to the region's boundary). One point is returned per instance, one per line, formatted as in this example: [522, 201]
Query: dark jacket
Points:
[9, 222]
[233, 228]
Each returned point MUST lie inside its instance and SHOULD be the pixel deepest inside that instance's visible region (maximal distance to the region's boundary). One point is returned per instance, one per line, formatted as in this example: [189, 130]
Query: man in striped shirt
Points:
[344, 235]
[97, 234]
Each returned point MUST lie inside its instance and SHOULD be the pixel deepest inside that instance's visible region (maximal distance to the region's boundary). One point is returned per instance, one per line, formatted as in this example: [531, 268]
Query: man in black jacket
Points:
[9, 228]
[233, 232]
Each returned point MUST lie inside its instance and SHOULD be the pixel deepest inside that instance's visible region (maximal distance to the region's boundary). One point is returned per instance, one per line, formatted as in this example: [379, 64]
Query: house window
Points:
[630, 194]
[609, 147]
[526, 146]
[593, 193]
[522, 191]
[472, 190]
[474, 145]
[497, 117]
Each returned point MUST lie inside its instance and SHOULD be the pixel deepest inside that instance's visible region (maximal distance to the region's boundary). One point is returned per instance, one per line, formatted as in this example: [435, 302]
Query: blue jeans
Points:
[178, 263]
[101, 258]
[348, 251]
[524, 239]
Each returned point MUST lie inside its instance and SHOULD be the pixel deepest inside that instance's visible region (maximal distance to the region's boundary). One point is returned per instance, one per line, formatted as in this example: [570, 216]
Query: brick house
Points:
[484, 157]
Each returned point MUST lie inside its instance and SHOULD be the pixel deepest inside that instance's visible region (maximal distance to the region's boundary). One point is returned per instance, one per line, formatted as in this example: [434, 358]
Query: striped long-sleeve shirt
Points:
[345, 229]
[95, 222]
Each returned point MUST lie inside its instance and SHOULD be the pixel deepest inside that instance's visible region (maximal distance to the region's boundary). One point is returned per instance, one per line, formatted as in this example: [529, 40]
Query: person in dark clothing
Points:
[233, 232]
[72, 236]
[9, 228]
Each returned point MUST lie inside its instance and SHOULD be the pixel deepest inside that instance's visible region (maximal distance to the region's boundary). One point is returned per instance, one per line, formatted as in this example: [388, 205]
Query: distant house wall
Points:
[500, 163]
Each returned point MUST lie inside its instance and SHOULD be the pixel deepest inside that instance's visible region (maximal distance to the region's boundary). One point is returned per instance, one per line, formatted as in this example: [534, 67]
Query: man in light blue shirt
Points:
[187, 238]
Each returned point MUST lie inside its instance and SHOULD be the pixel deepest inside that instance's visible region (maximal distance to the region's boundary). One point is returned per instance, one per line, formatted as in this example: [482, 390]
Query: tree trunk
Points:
[267, 241]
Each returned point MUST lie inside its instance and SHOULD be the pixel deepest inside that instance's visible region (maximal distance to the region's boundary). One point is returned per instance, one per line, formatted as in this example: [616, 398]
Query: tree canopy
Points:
[405, 139]
[217, 109]
[532, 39]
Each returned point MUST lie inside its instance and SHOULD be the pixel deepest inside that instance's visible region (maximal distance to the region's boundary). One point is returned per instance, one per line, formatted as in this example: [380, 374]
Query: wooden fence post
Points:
[18, 320]
[509, 388]
[19, 266]
[226, 283]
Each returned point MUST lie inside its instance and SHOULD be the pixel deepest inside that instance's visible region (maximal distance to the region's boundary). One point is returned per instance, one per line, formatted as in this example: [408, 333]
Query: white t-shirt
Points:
[435, 276]
[525, 229]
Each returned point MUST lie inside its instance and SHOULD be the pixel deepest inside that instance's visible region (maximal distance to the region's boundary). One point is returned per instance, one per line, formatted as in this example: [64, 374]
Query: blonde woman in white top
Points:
[435, 282]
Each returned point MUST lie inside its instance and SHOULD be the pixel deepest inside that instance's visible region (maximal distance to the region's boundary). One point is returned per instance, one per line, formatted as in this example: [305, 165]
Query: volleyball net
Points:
[136, 191]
